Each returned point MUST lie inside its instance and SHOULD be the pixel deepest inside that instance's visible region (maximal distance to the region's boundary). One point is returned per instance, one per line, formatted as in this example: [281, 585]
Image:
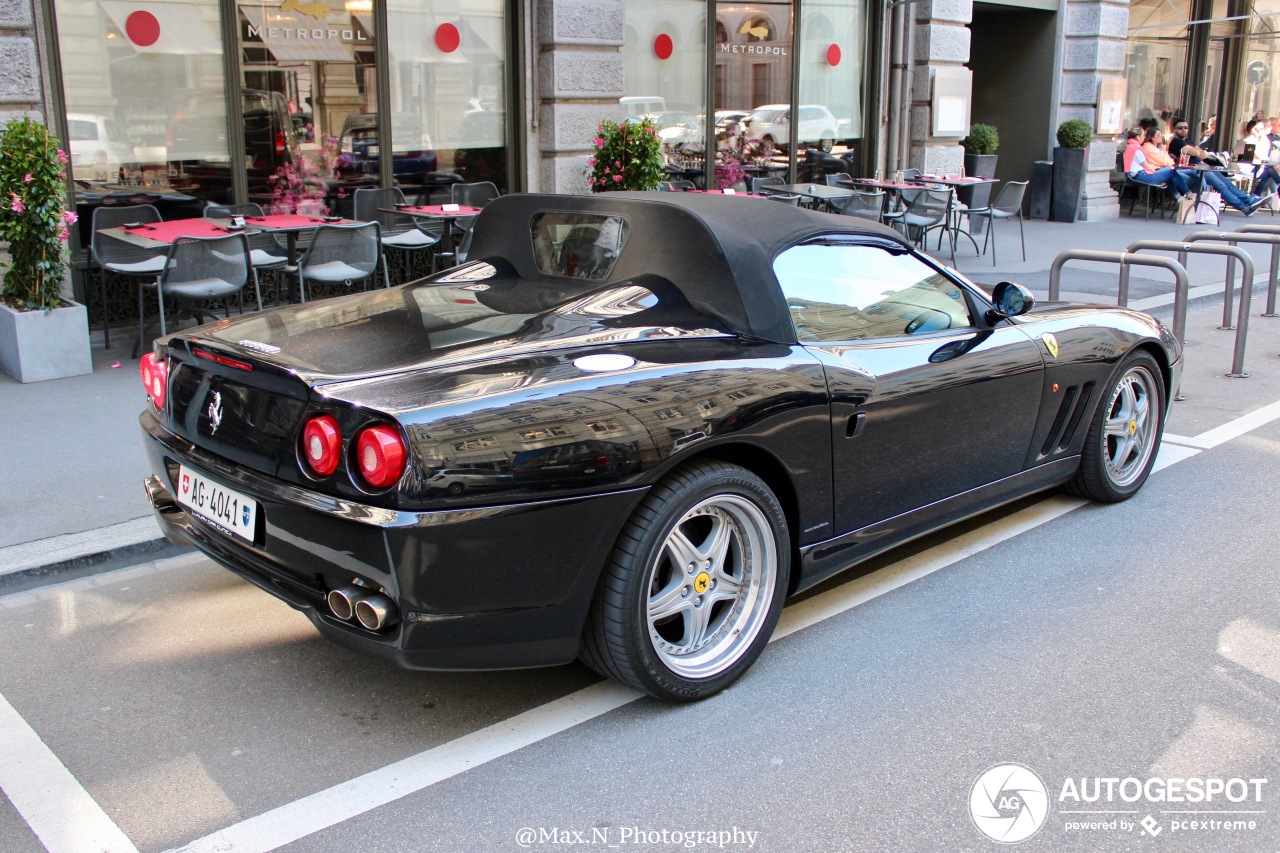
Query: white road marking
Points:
[53, 803]
[65, 817]
[1186, 441]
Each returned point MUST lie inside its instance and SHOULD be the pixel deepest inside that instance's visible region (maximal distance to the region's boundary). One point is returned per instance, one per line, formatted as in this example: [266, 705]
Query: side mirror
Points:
[1010, 300]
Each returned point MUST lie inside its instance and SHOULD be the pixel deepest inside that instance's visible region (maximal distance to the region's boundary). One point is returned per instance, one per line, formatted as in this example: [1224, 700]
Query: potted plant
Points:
[1069, 168]
[627, 156]
[979, 162]
[43, 335]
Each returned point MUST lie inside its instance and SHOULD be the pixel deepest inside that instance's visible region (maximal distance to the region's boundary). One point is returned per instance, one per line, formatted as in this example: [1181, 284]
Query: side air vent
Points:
[1075, 402]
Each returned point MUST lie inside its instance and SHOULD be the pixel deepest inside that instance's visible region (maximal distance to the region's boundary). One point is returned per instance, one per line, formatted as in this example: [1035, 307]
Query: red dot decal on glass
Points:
[833, 55]
[447, 38]
[142, 28]
[663, 47]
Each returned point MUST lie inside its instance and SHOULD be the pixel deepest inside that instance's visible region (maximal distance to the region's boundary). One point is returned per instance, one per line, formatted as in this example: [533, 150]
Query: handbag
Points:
[1186, 211]
[1209, 209]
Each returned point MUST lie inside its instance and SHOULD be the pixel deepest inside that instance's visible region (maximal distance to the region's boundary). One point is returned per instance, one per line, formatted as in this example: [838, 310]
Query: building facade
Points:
[230, 101]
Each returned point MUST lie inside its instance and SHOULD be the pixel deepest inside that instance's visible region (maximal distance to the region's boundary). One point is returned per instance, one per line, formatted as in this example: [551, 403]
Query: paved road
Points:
[172, 704]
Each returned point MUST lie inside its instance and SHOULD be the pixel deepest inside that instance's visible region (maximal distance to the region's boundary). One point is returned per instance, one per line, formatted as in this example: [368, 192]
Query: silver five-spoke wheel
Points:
[715, 566]
[1130, 439]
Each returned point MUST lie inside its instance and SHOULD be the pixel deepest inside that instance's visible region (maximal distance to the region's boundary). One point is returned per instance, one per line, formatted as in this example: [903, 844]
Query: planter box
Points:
[1068, 182]
[35, 345]
[978, 166]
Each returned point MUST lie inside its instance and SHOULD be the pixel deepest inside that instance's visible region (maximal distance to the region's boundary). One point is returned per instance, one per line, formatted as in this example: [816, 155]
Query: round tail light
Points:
[155, 378]
[322, 445]
[381, 455]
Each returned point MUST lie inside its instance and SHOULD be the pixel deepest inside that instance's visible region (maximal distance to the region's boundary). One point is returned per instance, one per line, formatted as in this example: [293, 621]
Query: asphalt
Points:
[71, 497]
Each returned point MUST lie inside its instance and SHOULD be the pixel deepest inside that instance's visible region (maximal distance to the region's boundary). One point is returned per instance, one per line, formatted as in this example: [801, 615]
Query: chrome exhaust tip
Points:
[342, 602]
[376, 612]
[158, 496]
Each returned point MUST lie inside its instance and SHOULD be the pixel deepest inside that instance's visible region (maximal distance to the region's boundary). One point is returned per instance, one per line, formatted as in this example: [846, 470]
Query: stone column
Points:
[580, 79]
[20, 90]
[941, 39]
[1094, 47]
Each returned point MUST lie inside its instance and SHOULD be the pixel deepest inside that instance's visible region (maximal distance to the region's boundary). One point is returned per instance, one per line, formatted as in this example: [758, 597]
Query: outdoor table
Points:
[956, 182]
[1203, 167]
[437, 211]
[293, 224]
[154, 235]
[824, 195]
[742, 194]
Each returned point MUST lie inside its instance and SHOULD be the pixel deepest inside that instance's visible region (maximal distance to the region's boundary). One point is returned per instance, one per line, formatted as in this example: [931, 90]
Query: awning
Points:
[173, 28]
[298, 38]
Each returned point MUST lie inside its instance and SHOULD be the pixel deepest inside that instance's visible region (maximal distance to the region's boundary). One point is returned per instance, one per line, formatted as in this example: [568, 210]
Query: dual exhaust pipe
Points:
[372, 610]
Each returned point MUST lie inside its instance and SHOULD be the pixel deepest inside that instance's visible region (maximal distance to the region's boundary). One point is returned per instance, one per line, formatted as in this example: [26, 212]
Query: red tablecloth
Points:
[438, 210]
[167, 232]
[722, 192]
[288, 220]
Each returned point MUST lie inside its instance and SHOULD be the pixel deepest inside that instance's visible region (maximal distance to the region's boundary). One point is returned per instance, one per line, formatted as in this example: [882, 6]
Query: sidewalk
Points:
[71, 485]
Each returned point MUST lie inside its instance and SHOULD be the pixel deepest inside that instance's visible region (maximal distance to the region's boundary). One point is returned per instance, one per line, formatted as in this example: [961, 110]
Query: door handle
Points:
[853, 427]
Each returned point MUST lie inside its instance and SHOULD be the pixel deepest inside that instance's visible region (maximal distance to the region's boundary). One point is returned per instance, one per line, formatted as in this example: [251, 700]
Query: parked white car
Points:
[98, 148]
[772, 124]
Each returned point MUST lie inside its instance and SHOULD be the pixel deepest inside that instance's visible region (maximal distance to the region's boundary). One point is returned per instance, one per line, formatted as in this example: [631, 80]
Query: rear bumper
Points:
[492, 587]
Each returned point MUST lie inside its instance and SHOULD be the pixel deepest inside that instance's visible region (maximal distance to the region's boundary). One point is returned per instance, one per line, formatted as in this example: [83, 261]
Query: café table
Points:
[957, 182]
[824, 196]
[291, 225]
[451, 213]
[731, 193]
[154, 235]
[1202, 168]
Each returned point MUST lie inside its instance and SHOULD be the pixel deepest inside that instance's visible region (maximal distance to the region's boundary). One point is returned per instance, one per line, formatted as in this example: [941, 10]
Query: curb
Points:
[58, 558]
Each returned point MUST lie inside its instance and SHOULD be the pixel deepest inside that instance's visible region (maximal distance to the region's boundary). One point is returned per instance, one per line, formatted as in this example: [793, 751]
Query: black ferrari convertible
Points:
[629, 429]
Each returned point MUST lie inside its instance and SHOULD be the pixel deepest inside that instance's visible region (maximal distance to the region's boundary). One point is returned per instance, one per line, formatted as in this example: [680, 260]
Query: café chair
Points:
[265, 249]
[340, 254]
[398, 231]
[198, 270]
[1007, 205]
[925, 211]
[473, 195]
[761, 185]
[785, 198]
[865, 205]
[110, 255]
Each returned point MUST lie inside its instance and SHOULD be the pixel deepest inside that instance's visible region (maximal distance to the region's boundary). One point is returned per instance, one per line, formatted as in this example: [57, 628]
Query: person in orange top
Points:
[1138, 169]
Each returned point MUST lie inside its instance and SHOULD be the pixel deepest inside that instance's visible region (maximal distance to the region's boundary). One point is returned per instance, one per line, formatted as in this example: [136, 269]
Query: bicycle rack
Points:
[1257, 228]
[1233, 253]
[1246, 293]
[1181, 284]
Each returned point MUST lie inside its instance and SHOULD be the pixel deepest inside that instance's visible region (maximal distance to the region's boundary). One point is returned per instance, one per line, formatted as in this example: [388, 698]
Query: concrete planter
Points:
[39, 345]
[1068, 182]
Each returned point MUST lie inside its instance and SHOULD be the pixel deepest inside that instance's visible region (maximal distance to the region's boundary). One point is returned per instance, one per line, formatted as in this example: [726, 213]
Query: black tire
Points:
[707, 639]
[1113, 467]
[456, 489]
[769, 143]
[826, 144]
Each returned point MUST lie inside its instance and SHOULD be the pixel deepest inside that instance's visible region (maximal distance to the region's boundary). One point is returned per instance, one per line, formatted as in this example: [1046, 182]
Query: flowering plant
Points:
[301, 184]
[734, 148]
[33, 218]
[627, 156]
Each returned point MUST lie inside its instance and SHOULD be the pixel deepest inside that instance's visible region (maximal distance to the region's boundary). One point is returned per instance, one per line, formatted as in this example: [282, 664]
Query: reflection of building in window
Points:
[668, 414]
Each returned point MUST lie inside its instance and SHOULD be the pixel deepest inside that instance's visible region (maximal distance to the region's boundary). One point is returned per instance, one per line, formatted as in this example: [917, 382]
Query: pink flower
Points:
[617, 164]
[69, 218]
[62, 233]
[62, 156]
[16, 204]
[606, 170]
[27, 178]
[598, 141]
[617, 179]
[591, 162]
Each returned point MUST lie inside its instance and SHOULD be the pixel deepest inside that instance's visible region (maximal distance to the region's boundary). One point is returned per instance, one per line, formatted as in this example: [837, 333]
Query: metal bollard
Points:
[1125, 259]
[1274, 277]
[1246, 293]
[1233, 253]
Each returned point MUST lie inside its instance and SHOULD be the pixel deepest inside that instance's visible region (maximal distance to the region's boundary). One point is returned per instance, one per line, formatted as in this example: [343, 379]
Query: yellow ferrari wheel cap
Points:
[1051, 344]
[1133, 427]
[702, 583]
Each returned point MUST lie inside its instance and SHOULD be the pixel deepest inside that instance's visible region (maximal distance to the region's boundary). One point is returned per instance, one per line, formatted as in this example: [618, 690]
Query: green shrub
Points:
[982, 139]
[32, 217]
[627, 156]
[1075, 133]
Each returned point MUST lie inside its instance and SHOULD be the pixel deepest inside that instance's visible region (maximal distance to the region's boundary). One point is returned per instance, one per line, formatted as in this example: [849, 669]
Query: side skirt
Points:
[821, 560]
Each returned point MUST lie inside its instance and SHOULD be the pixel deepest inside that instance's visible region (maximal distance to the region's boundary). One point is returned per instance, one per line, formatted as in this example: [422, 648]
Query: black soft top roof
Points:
[718, 250]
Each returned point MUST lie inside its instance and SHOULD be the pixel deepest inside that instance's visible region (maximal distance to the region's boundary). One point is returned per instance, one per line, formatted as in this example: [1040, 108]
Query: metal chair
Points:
[1145, 190]
[398, 230]
[926, 210]
[110, 255]
[865, 205]
[840, 179]
[265, 249]
[680, 185]
[761, 185]
[1007, 205]
[473, 195]
[340, 254]
[196, 270]
[785, 198]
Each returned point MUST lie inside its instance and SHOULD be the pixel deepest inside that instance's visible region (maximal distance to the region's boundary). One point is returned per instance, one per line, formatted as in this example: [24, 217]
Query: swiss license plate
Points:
[224, 508]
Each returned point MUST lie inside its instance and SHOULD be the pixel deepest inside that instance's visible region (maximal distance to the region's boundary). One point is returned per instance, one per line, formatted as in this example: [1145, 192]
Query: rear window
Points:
[82, 131]
[578, 245]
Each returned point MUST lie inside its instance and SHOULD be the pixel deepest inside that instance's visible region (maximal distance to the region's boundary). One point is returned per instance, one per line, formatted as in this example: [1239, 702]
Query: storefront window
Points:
[144, 91]
[753, 80]
[448, 92]
[1157, 58]
[665, 53]
[831, 52]
[1260, 94]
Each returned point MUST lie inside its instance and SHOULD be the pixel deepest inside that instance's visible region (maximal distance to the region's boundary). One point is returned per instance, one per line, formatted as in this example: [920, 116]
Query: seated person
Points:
[1179, 145]
[1137, 168]
[1265, 176]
